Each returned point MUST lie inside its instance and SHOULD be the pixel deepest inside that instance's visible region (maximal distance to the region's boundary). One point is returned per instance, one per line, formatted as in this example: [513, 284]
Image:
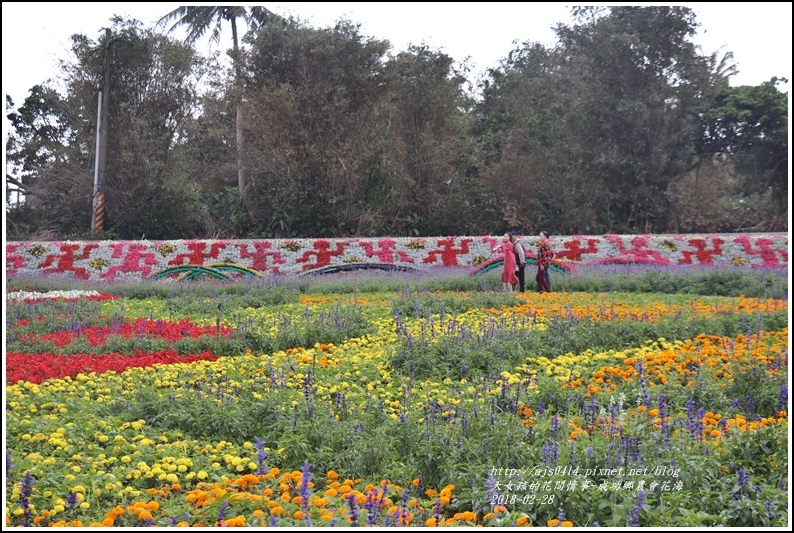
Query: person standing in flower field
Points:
[545, 257]
[509, 277]
[521, 258]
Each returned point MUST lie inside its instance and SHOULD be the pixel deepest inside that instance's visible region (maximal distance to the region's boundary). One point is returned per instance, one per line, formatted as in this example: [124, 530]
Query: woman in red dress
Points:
[509, 277]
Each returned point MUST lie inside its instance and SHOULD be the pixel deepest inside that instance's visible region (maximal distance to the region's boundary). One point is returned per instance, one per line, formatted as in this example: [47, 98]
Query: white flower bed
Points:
[23, 295]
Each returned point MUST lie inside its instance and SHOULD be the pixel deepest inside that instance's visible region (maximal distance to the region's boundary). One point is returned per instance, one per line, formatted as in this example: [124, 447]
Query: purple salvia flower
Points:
[354, 512]
[492, 487]
[742, 477]
[222, 510]
[643, 384]
[782, 398]
[663, 415]
[554, 427]
[749, 404]
[634, 516]
[306, 477]
[372, 505]
[261, 455]
[25, 490]
[71, 501]
[274, 521]
[437, 511]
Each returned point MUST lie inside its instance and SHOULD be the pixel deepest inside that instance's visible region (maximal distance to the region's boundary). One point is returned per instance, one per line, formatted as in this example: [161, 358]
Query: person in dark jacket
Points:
[545, 257]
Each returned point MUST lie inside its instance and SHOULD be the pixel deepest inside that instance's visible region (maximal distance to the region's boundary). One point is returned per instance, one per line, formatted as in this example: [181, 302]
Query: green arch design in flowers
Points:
[347, 267]
[498, 263]
[216, 270]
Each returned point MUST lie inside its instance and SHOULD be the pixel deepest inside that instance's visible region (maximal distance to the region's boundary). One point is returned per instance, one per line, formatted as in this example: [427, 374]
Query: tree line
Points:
[622, 126]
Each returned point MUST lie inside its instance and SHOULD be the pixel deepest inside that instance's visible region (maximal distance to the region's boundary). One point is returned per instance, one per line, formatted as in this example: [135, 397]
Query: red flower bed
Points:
[36, 368]
[98, 335]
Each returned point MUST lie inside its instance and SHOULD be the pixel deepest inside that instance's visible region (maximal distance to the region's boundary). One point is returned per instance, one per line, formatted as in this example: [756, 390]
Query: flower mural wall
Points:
[136, 260]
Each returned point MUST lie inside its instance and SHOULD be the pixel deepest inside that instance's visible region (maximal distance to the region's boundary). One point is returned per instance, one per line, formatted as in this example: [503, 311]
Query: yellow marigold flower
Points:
[237, 521]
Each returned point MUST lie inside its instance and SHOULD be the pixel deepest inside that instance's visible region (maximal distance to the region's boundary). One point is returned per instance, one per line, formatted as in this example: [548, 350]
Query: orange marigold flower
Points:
[567, 523]
[522, 520]
[553, 523]
[332, 475]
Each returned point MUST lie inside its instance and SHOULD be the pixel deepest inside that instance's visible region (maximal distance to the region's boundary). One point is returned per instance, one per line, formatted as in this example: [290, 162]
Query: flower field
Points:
[398, 402]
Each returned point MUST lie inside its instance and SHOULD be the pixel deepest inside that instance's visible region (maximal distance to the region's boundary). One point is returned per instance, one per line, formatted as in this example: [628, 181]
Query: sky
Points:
[36, 35]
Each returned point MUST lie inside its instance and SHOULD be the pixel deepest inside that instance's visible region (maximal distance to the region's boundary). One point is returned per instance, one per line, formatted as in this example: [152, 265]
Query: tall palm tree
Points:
[198, 20]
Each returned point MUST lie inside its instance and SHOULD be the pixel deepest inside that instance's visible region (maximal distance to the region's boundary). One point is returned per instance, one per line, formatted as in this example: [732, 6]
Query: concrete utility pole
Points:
[100, 165]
